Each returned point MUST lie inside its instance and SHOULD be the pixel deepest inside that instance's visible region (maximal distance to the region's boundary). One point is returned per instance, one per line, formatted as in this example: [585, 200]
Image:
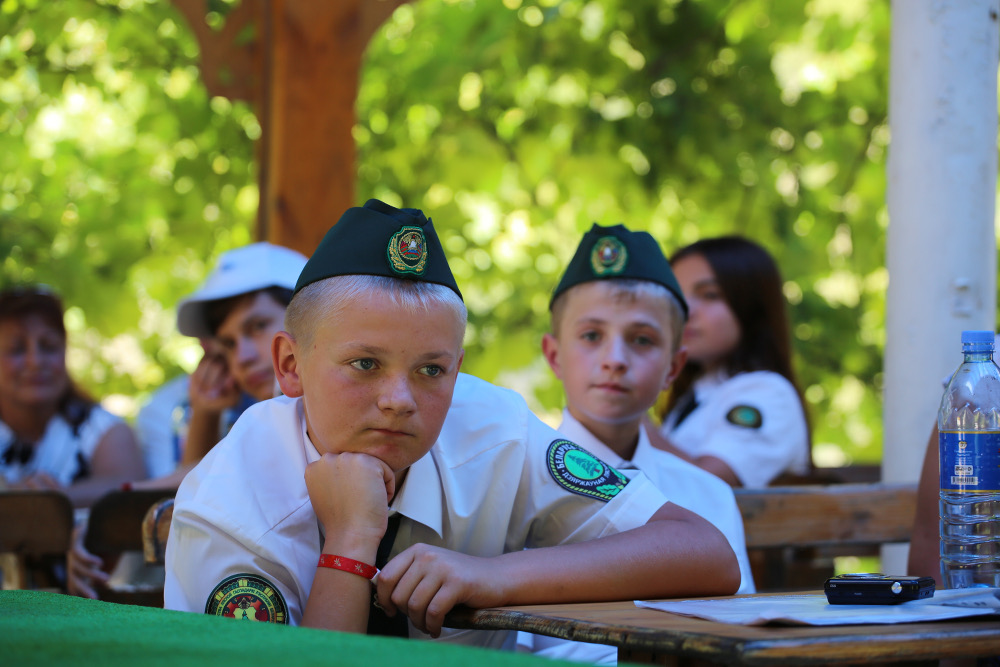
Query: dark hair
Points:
[217, 311]
[17, 303]
[751, 286]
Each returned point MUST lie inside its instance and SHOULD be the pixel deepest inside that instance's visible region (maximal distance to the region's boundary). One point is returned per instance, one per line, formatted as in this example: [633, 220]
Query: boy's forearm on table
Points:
[88, 491]
[673, 559]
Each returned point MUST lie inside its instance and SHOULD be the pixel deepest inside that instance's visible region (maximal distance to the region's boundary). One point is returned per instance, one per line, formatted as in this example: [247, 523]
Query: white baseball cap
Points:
[239, 271]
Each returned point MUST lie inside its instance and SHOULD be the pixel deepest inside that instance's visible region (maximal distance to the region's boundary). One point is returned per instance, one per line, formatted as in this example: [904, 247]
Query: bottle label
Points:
[970, 462]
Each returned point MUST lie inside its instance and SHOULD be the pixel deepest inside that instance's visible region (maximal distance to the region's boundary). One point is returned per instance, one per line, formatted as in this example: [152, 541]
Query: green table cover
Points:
[40, 628]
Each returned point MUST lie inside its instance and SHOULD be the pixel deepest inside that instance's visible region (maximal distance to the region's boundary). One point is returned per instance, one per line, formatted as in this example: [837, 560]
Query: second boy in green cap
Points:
[617, 317]
[381, 450]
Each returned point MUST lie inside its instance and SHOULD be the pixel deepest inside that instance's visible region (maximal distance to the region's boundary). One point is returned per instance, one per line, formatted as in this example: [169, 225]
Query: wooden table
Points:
[656, 637]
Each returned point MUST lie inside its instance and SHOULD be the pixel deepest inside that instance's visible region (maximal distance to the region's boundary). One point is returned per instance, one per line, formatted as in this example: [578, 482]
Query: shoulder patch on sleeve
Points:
[578, 471]
[248, 597]
[746, 416]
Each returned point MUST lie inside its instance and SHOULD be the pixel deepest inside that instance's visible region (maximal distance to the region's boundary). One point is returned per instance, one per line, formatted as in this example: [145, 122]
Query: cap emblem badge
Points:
[608, 257]
[408, 251]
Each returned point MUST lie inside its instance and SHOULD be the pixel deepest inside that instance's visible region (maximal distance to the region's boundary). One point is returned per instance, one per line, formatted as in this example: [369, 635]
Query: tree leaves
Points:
[113, 190]
[514, 124]
[685, 118]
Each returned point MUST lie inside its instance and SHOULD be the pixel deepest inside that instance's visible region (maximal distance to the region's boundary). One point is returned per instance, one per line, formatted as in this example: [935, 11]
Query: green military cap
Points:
[380, 240]
[617, 252]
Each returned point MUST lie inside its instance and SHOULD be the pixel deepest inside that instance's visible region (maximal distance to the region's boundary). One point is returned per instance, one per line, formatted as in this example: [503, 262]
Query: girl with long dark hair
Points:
[735, 409]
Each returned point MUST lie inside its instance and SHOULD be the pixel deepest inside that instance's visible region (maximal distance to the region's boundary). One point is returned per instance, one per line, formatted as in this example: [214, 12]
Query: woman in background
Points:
[735, 409]
[52, 435]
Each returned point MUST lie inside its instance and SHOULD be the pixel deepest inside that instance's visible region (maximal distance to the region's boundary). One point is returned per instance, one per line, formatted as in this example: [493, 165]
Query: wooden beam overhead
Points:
[298, 63]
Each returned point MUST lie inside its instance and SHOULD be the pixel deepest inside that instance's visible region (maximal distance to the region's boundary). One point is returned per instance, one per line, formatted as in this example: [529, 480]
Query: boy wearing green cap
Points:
[617, 318]
[381, 454]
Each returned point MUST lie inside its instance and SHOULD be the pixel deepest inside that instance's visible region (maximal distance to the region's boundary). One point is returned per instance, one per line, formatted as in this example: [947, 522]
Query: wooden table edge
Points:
[981, 638]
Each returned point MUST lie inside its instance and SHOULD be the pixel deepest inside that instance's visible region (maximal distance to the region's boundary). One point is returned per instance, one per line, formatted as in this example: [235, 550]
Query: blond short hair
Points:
[322, 301]
[629, 289]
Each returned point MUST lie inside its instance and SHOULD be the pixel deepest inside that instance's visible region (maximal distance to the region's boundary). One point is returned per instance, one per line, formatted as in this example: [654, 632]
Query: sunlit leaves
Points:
[688, 118]
[119, 179]
[515, 124]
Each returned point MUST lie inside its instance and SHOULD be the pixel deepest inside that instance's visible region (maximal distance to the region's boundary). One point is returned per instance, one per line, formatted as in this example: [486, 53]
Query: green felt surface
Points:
[39, 628]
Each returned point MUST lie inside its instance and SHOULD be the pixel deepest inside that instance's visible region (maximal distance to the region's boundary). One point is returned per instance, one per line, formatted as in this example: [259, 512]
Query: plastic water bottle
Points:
[969, 454]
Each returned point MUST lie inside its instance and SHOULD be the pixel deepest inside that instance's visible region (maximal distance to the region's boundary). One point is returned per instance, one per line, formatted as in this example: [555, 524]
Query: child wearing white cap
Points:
[235, 314]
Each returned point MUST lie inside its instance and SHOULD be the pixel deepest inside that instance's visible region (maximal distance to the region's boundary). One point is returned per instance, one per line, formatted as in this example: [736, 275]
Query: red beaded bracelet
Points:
[347, 565]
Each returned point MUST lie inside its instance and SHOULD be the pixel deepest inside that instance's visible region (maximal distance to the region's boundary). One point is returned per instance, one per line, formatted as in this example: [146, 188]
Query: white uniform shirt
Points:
[60, 451]
[684, 484]
[156, 427]
[483, 489]
[162, 423]
[755, 453]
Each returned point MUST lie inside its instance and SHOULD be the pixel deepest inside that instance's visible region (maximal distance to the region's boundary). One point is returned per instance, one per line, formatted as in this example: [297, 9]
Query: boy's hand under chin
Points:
[350, 494]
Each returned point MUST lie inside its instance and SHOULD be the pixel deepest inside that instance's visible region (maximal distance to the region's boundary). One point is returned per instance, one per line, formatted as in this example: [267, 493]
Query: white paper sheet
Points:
[813, 609]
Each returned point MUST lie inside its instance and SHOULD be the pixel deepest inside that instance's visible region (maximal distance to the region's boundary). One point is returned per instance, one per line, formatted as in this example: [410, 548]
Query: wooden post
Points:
[942, 178]
[298, 63]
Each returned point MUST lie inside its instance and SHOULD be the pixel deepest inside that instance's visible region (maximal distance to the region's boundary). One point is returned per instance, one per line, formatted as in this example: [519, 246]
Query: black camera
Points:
[871, 588]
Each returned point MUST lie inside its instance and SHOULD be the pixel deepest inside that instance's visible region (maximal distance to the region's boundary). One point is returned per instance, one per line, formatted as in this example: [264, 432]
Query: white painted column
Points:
[942, 184]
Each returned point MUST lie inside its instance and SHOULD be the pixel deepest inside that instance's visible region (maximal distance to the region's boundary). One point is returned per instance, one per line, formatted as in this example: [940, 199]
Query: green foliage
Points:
[515, 124]
[518, 125]
[120, 180]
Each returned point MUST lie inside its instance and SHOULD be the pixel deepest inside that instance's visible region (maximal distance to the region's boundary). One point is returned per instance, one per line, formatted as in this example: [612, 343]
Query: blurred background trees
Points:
[515, 125]
[120, 180]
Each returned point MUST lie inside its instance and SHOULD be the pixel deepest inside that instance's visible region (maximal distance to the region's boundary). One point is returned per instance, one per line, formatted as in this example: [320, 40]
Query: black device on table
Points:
[873, 588]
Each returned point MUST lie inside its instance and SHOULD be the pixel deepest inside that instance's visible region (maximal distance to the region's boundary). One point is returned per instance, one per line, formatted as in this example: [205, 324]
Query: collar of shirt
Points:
[578, 433]
[312, 455]
[706, 384]
[420, 498]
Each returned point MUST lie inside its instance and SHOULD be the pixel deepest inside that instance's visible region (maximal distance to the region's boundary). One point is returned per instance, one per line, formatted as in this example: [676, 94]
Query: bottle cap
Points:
[977, 341]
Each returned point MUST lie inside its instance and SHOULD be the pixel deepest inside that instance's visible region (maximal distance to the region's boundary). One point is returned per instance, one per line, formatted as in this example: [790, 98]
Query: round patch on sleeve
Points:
[248, 598]
[745, 416]
[577, 470]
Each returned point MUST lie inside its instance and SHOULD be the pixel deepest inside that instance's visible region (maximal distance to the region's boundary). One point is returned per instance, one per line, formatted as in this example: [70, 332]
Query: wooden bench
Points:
[858, 473]
[33, 524]
[115, 528]
[793, 532]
